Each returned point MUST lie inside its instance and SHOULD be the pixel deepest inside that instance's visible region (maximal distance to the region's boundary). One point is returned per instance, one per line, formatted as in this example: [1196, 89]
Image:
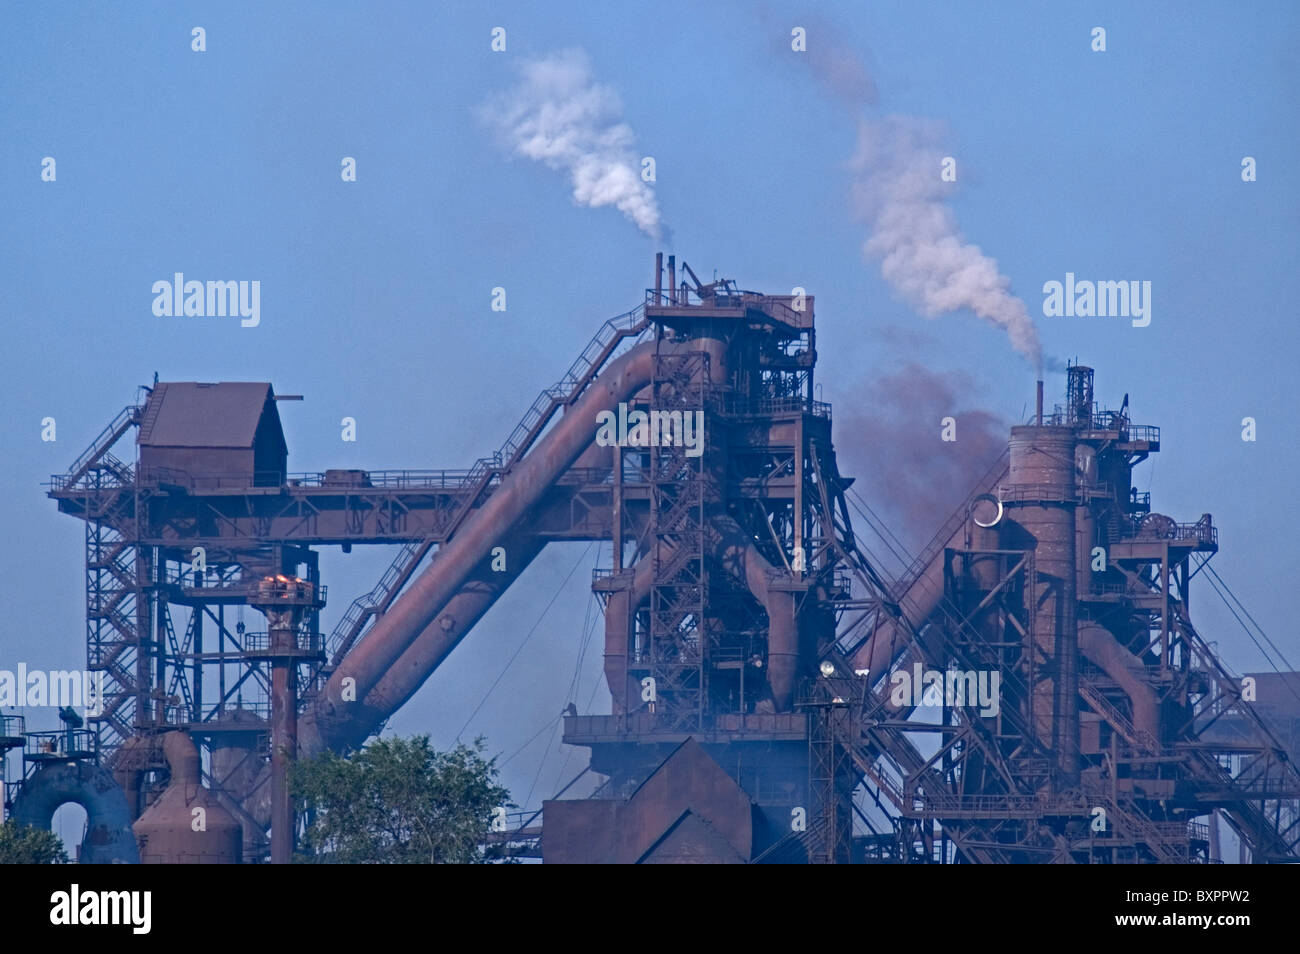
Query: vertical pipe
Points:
[196, 709]
[1040, 403]
[800, 560]
[284, 736]
[672, 279]
[617, 503]
[659, 278]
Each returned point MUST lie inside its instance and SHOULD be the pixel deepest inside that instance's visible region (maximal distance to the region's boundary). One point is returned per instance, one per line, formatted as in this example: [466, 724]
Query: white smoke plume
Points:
[558, 114]
[897, 191]
[914, 233]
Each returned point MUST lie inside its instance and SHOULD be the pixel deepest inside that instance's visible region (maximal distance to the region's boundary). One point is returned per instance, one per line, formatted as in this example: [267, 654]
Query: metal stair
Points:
[486, 470]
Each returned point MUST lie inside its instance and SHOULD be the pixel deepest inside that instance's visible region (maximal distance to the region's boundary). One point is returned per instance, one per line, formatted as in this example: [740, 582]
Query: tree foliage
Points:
[25, 845]
[398, 801]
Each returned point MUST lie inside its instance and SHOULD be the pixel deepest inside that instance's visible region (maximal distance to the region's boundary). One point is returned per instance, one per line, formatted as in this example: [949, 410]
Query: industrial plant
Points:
[1032, 689]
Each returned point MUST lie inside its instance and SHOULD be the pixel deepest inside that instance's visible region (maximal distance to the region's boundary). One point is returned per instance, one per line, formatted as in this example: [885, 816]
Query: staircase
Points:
[486, 470]
[109, 436]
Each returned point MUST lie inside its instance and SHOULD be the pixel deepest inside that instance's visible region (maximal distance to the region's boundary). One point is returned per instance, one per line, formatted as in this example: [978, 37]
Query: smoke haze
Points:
[888, 434]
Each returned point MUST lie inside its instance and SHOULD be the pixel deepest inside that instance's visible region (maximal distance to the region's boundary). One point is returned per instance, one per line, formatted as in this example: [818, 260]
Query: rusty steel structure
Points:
[755, 653]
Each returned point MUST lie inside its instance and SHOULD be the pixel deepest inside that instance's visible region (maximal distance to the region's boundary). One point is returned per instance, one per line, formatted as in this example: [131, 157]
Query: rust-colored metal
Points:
[187, 824]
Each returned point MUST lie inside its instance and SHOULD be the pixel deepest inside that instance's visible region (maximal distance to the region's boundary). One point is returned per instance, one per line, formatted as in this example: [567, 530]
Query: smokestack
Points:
[672, 279]
[1040, 403]
[659, 277]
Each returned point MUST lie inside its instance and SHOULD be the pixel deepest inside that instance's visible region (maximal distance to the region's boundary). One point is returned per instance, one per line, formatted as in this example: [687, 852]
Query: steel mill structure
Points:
[1031, 689]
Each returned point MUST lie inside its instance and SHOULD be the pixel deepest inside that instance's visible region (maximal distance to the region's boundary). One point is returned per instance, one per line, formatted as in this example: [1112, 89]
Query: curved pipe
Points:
[618, 629]
[1105, 652]
[109, 839]
[182, 758]
[737, 553]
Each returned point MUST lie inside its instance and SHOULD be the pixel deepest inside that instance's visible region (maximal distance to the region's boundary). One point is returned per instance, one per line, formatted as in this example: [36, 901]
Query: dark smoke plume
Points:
[888, 434]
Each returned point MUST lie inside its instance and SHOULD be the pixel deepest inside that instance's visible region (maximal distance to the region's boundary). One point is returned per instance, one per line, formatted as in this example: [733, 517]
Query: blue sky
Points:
[375, 294]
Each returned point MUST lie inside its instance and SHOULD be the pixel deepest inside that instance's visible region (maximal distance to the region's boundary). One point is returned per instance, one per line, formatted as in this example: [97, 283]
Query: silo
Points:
[186, 825]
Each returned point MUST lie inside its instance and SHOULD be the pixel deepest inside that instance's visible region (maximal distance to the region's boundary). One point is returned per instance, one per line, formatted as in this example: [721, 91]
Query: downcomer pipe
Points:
[919, 601]
[619, 610]
[452, 565]
[409, 641]
[1104, 651]
[737, 553]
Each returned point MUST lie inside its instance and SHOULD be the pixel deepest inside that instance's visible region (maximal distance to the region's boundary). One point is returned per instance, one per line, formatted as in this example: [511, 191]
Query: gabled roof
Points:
[193, 414]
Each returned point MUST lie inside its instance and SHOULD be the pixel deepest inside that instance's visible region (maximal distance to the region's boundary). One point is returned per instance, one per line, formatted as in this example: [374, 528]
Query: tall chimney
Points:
[1040, 403]
[672, 279]
[659, 277]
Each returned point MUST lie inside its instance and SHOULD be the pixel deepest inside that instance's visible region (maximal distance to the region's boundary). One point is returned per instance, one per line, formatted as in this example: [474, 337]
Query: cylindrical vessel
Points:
[1040, 496]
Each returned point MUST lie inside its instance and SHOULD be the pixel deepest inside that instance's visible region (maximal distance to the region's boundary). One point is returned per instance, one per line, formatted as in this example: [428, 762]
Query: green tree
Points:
[25, 845]
[398, 801]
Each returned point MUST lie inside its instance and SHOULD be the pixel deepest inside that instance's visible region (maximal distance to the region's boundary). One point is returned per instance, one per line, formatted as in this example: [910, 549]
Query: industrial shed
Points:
[199, 435]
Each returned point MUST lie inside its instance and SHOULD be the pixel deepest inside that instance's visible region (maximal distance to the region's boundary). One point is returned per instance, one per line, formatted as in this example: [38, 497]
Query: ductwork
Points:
[737, 554]
[1102, 649]
[108, 837]
[619, 610]
[428, 595]
[917, 603]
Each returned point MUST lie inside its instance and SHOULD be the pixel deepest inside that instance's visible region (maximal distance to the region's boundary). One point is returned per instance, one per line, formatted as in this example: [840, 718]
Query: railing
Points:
[1108, 589]
[376, 601]
[778, 307]
[794, 404]
[1143, 432]
[226, 714]
[60, 744]
[172, 476]
[12, 727]
[1105, 421]
[106, 439]
[1202, 531]
[445, 479]
[485, 472]
[259, 643]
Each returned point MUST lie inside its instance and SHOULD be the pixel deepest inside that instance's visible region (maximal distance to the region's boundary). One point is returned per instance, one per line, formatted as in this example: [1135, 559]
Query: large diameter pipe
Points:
[738, 554]
[485, 584]
[620, 610]
[1104, 651]
[520, 490]
[917, 604]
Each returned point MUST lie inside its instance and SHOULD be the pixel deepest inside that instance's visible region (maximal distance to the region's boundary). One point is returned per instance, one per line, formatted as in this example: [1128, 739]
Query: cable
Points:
[1211, 579]
[531, 740]
[521, 646]
[1259, 629]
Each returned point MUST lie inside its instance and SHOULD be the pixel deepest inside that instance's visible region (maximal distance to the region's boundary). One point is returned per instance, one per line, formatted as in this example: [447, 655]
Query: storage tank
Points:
[186, 825]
